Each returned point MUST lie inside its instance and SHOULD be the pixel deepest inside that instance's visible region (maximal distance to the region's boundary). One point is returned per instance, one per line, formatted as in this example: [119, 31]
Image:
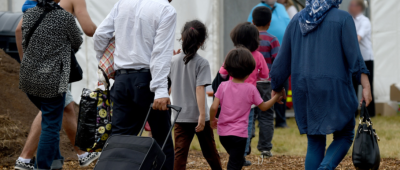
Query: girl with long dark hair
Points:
[190, 74]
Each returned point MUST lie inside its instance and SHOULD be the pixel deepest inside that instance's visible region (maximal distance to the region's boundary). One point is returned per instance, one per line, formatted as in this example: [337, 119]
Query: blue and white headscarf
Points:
[314, 13]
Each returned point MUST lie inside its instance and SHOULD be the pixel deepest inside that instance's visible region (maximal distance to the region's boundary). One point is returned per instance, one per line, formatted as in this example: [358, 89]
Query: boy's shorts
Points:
[68, 98]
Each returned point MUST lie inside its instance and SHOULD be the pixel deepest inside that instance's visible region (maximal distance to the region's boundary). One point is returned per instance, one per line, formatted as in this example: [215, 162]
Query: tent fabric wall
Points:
[203, 10]
[385, 42]
[86, 56]
[3, 5]
[207, 11]
[234, 12]
[16, 5]
[221, 16]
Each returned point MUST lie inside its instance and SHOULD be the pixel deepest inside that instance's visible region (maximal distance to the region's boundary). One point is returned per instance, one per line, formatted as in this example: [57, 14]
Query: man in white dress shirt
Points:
[363, 27]
[144, 34]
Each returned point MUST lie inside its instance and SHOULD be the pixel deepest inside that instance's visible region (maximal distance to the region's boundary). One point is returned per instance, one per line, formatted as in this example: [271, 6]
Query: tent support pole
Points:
[9, 5]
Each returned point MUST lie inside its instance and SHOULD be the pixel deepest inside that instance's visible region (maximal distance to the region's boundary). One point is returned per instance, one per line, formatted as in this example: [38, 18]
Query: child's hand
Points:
[281, 95]
[214, 123]
[201, 124]
[280, 98]
[177, 52]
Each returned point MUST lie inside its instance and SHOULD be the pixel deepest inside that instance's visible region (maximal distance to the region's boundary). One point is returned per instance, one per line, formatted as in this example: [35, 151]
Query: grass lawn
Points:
[290, 142]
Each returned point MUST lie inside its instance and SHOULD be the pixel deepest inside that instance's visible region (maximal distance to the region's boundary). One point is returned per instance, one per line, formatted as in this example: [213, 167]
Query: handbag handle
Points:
[176, 108]
[364, 116]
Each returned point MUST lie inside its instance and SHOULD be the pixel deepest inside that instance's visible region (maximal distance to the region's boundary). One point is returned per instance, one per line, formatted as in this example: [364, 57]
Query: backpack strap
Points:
[37, 23]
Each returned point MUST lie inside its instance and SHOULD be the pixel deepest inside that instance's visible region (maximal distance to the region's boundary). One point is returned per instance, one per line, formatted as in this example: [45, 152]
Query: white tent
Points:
[386, 43]
[203, 10]
[221, 16]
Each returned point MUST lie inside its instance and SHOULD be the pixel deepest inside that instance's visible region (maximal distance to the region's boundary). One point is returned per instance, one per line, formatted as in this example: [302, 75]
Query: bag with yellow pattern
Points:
[94, 121]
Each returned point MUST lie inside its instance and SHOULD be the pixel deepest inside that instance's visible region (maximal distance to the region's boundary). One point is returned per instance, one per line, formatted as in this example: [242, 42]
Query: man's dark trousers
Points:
[132, 97]
[280, 110]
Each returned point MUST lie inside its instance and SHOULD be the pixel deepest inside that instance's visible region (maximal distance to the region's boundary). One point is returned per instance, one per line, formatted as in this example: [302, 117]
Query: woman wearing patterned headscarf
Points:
[45, 70]
[320, 51]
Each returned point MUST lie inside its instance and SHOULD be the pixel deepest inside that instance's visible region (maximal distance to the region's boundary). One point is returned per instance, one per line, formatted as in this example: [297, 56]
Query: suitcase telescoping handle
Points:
[176, 108]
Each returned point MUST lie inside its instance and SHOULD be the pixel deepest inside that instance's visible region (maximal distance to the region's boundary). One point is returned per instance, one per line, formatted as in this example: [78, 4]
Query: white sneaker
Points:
[85, 161]
[19, 165]
[266, 154]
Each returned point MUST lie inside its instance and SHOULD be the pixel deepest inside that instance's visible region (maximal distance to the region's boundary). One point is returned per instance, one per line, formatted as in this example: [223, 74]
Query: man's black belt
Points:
[131, 71]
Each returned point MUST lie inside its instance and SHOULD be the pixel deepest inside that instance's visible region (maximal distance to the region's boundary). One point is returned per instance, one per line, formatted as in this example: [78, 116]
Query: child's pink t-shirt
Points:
[260, 73]
[236, 100]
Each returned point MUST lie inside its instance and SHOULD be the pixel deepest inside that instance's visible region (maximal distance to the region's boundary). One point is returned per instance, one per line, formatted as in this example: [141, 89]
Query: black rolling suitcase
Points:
[134, 152]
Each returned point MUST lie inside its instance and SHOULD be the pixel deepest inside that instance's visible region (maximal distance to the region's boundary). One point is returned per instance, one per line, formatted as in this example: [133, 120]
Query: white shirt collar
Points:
[359, 16]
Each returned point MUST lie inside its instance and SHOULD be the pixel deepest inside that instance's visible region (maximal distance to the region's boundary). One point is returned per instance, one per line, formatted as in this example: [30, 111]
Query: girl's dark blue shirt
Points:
[321, 64]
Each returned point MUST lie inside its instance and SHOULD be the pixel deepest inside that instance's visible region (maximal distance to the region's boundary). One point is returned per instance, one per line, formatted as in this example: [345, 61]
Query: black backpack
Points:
[215, 84]
[366, 153]
[134, 152]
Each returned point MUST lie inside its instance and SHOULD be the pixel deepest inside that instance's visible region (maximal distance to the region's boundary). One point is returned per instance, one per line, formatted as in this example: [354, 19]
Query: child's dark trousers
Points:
[235, 146]
[184, 133]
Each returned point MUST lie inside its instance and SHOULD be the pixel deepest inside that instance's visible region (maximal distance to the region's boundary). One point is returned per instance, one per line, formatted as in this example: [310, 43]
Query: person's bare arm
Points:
[359, 38]
[264, 106]
[213, 113]
[366, 92]
[81, 13]
[201, 98]
[18, 39]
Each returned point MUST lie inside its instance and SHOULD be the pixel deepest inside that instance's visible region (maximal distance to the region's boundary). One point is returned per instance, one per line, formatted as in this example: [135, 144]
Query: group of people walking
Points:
[319, 49]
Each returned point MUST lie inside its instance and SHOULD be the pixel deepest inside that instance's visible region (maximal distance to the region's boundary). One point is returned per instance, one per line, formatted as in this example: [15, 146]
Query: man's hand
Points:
[177, 52]
[282, 93]
[214, 123]
[201, 123]
[161, 103]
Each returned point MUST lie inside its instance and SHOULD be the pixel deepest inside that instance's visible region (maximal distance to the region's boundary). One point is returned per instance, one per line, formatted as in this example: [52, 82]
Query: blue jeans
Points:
[250, 131]
[316, 158]
[49, 143]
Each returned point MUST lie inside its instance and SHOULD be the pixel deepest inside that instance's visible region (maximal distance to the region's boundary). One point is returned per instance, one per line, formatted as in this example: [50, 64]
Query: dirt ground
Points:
[196, 161]
[17, 114]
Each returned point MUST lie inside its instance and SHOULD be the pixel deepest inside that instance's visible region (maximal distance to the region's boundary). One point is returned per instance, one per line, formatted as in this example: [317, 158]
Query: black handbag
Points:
[134, 152]
[366, 154]
[76, 73]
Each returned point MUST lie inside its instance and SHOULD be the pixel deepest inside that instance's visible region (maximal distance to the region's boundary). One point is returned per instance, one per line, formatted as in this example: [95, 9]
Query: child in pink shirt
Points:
[259, 74]
[236, 98]
[247, 35]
